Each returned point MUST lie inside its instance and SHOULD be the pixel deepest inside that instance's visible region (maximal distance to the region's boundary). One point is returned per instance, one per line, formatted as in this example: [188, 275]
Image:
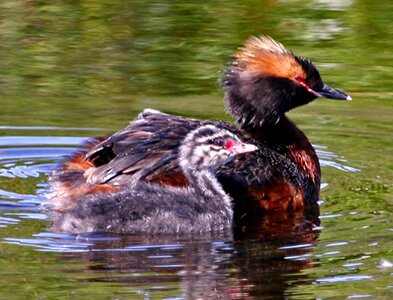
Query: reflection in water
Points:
[256, 259]
[205, 268]
[262, 257]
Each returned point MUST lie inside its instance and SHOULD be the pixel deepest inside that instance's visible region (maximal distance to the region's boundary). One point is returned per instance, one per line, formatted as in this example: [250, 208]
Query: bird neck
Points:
[287, 139]
[205, 184]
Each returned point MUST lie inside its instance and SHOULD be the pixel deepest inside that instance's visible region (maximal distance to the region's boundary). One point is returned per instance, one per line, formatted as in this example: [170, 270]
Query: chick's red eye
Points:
[229, 144]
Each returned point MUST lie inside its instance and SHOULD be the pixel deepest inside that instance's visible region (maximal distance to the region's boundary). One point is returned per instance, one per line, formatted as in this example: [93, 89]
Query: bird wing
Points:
[147, 148]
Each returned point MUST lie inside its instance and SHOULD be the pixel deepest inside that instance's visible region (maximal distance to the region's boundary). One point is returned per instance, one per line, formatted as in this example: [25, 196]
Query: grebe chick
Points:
[203, 206]
[261, 84]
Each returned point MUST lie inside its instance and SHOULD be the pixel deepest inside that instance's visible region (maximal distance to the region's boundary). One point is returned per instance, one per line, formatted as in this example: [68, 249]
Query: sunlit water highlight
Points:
[37, 156]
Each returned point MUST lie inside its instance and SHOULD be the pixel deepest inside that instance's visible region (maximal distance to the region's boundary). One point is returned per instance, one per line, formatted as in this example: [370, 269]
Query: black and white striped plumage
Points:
[203, 206]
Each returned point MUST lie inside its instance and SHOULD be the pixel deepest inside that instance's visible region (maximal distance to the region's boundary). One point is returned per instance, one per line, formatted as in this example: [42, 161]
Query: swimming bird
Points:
[263, 82]
[202, 206]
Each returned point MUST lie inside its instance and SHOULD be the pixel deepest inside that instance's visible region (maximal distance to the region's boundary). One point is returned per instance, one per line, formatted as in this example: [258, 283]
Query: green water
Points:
[85, 68]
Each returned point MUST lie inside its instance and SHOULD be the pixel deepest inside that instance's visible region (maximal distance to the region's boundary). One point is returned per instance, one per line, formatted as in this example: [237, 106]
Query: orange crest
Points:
[266, 56]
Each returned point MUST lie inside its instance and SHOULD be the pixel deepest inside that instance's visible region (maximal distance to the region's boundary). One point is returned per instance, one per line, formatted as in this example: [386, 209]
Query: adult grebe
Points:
[264, 81]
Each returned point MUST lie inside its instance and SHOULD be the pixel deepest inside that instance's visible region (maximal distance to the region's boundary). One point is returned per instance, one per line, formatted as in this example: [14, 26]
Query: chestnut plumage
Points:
[262, 83]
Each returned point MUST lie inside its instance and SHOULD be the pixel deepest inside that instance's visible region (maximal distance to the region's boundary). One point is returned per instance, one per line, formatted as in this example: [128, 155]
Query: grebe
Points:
[142, 207]
[264, 81]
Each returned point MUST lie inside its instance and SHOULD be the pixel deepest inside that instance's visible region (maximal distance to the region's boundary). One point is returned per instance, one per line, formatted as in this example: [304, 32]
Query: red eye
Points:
[229, 144]
[302, 82]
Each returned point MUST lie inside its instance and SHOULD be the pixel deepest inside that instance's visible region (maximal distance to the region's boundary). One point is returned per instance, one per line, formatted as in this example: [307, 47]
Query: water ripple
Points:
[5, 221]
[332, 160]
[18, 154]
[50, 245]
[40, 140]
[50, 128]
[9, 205]
[345, 278]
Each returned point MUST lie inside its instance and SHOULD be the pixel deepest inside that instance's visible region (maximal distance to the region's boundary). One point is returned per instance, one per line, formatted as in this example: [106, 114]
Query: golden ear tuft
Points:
[270, 58]
[261, 43]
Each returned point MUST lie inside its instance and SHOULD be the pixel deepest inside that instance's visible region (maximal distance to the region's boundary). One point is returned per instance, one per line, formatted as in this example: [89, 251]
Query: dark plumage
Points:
[141, 207]
[264, 81]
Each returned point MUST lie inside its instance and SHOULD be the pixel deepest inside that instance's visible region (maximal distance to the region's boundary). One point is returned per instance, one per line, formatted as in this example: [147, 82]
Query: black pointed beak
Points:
[328, 92]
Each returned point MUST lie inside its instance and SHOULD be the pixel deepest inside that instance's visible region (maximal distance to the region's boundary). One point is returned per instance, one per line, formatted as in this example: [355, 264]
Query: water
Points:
[73, 70]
